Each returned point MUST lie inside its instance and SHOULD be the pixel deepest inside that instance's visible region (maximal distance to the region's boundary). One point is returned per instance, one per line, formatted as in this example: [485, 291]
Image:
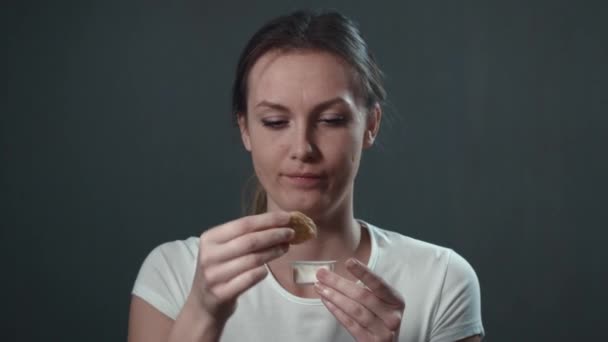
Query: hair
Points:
[323, 31]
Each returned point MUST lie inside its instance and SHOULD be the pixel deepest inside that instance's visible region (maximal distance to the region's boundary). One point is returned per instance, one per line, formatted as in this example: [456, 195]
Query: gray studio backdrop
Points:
[116, 136]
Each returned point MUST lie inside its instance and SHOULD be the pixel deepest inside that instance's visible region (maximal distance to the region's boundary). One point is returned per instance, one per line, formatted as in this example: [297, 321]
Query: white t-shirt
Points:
[440, 289]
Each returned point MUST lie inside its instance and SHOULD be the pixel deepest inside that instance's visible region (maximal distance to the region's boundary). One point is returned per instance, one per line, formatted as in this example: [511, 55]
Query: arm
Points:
[475, 338]
[147, 324]
[230, 260]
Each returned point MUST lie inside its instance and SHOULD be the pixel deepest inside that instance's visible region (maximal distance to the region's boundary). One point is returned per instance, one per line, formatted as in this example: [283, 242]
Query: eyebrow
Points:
[318, 108]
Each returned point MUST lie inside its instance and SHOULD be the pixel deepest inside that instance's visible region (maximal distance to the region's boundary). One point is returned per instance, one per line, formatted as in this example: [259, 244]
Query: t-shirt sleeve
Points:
[157, 282]
[459, 311]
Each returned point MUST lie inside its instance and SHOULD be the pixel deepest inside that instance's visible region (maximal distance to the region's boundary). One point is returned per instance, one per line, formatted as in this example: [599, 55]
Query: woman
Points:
[307, 101]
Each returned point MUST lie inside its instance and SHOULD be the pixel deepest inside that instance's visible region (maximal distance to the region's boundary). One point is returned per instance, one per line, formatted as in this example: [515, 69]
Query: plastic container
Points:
[305, 272]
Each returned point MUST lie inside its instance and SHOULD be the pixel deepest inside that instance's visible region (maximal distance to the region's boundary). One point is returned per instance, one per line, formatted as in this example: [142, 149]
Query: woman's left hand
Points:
[371, 313]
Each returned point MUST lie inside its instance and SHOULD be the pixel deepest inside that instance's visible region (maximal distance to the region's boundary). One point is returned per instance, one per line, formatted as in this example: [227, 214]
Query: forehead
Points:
[299, 77]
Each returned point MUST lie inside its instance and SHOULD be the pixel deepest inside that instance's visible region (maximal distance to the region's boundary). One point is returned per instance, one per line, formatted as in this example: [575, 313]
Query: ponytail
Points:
[254, 197]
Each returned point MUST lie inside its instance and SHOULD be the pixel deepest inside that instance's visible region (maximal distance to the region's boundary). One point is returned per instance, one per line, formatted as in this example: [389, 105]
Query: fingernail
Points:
[321, 289]
[351, 262]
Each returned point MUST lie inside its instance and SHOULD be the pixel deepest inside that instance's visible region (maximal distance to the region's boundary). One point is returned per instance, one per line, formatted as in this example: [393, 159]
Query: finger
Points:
[225, 271]
[391, 314]
[354, 328]
[241, 283]
[356, 311]
[376, 284]
[248, 224]
[351, 290]
[249, 243]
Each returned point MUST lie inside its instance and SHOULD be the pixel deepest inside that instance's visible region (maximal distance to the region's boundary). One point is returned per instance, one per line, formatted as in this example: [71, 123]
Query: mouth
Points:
[304, 180]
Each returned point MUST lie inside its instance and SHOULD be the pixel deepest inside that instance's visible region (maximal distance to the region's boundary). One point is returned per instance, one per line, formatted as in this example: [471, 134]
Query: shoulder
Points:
[433, 278]
[176, 250]
[173, 258]
[165, 276]
[172, 255]
[396, 245]
[421, 256]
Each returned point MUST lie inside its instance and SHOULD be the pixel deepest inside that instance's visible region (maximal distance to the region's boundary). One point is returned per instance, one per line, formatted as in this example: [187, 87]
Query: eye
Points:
[335, 120]
[274, 123]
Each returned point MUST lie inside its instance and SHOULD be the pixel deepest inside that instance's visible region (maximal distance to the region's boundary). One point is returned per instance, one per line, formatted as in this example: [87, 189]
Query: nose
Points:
[303, 147]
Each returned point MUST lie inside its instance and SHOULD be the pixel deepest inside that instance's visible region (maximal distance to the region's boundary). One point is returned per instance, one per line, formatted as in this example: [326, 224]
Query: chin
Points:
[313, 207]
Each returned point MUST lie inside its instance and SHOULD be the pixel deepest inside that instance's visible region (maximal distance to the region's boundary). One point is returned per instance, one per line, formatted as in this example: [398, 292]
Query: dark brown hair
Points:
[308, 30]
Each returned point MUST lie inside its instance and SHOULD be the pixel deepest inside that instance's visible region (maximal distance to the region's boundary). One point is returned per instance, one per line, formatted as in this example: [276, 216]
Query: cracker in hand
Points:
[304, 226]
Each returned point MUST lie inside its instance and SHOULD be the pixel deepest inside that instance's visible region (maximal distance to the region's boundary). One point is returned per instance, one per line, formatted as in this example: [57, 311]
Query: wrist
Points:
[194, 323]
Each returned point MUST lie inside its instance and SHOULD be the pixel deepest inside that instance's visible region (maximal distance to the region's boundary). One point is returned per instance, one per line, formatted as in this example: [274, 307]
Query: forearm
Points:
[194, 325]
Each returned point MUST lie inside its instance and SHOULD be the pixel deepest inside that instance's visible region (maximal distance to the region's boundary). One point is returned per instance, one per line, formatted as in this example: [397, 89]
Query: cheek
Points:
[261, 157]
[266, 157]
[345, 152]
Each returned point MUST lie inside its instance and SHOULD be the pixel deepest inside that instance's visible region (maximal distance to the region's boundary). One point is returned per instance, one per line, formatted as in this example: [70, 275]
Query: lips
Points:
[304, 179]
[303, 175]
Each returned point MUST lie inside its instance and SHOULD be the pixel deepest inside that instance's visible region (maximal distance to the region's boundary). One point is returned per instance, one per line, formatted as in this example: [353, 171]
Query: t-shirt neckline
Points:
[371, 264]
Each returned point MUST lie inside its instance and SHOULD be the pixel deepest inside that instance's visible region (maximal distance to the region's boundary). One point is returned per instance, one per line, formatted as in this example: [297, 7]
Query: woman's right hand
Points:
[231, 260]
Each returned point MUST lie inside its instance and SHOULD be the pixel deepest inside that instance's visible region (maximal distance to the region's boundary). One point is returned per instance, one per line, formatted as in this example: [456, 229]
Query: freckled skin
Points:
[299, 82]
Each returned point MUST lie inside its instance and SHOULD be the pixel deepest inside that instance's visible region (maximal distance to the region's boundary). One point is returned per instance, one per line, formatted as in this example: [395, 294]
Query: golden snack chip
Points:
[304, 226]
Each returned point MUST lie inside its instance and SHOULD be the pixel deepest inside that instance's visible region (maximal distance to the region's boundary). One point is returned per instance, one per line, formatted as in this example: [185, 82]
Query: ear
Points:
[373, 126]
[242, 119]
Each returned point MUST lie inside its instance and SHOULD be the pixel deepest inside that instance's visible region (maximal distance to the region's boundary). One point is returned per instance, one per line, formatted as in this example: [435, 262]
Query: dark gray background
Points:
[116, 136]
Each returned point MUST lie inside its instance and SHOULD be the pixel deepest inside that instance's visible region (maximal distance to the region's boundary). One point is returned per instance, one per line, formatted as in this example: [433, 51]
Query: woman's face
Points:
[305, 130]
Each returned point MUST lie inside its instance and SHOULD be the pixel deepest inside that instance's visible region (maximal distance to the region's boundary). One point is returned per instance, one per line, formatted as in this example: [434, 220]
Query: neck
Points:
[338, 237]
